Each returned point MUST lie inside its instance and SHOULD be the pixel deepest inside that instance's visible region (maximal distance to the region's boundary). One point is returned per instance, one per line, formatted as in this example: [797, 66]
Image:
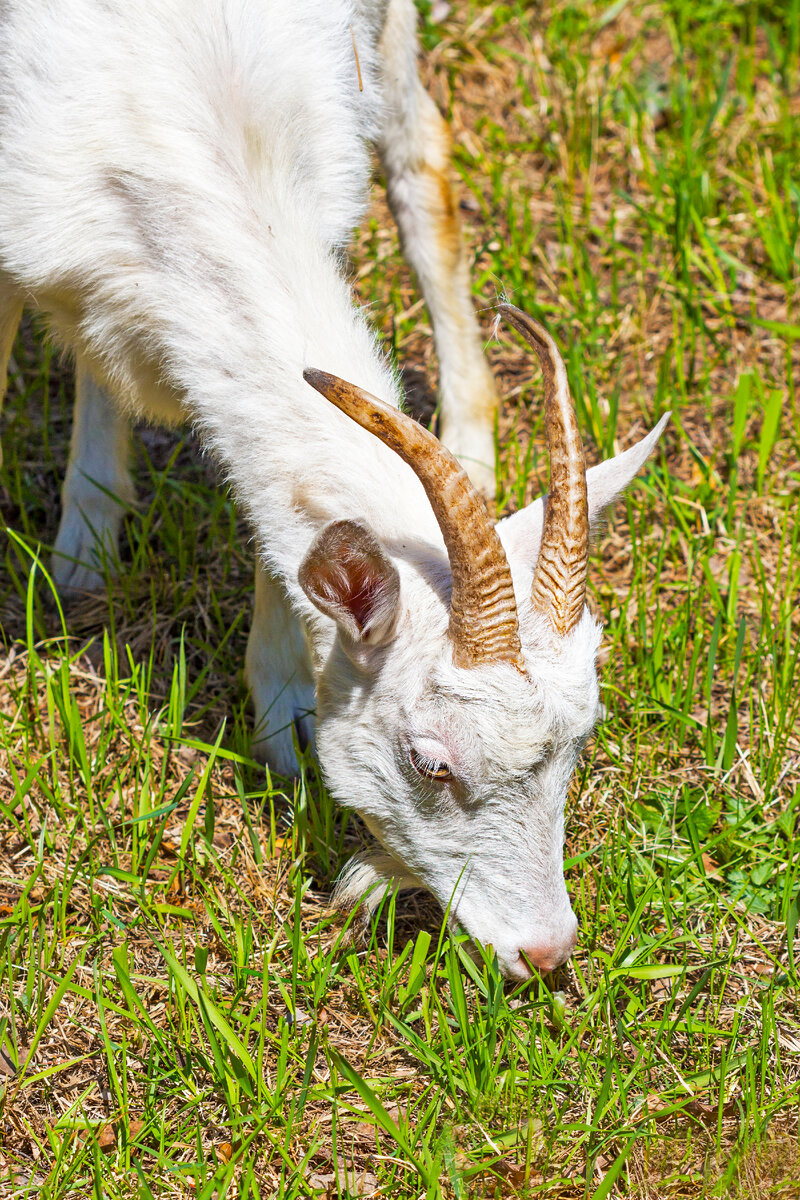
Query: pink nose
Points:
[547, 955]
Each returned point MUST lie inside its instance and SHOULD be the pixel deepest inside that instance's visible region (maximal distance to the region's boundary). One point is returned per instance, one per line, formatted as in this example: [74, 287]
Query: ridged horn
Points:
[483, 610]
[559, 581]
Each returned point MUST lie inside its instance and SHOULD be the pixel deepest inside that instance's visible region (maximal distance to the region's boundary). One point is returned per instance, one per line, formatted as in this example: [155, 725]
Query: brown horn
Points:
[559, 582]
[483, 609]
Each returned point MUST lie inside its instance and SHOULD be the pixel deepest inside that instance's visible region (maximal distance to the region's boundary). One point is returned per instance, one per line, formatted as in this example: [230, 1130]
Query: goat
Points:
[178, 179]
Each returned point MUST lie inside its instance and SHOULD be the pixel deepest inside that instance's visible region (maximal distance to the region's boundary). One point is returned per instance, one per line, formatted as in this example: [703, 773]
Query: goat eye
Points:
[430, 768]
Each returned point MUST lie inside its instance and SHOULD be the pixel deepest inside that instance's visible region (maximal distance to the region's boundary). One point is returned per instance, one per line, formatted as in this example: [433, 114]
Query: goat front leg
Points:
[97, 489]
[415, 146]
[10, 313]
[278, 673]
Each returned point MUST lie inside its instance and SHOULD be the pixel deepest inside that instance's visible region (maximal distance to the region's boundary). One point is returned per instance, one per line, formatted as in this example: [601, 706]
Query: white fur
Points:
[177, 181]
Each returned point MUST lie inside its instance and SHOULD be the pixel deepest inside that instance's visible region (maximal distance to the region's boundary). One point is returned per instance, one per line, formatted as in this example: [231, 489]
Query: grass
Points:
[180, 1012]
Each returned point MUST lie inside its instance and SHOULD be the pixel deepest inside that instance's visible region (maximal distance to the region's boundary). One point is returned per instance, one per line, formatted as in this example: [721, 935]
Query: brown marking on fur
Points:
[306, 500]
[453, 278]
[358, 64]
[447, 230]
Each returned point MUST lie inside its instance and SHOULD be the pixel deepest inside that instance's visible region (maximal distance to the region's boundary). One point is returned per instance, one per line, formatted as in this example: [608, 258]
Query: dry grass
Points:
[569, 135]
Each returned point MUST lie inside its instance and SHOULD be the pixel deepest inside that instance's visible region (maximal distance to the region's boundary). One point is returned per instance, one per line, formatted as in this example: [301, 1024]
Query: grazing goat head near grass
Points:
[176, 205]
[459, 694]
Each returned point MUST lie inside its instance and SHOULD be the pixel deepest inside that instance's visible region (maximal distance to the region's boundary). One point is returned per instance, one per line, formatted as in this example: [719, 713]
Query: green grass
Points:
[180, 1012]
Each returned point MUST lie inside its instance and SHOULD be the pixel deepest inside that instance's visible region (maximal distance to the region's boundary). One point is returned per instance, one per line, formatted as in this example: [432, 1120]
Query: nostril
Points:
[546, 956]
[541, 959]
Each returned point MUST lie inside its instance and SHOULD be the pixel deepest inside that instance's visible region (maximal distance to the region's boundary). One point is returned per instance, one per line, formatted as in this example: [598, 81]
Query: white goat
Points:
[177, 181]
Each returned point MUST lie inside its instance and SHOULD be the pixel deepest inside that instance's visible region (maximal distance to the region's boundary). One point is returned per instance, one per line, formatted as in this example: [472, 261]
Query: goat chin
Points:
[184, 238]
[367, 878]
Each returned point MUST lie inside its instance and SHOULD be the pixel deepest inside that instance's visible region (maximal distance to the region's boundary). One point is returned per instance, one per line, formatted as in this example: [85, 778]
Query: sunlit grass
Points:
[180, 1011]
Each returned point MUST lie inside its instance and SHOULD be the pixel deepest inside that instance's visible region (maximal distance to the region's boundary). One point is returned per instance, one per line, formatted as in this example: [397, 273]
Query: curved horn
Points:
[483, 610]
[559, 581]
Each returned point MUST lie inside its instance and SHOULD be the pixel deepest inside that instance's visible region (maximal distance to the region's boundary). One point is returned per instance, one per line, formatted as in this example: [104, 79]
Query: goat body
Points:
[178, 180]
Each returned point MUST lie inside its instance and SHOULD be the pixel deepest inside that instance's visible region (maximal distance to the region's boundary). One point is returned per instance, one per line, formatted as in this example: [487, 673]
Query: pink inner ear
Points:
[348, 576]
[353, 583]
[363, 592]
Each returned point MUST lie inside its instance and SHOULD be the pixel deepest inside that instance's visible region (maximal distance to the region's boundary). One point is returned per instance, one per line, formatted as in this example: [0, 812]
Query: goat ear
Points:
[521, 533]
[608, 479]
[349, 577]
